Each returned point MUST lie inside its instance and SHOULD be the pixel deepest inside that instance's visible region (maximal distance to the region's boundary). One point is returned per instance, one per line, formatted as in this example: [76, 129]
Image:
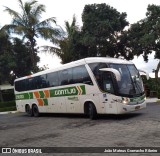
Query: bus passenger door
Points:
[108, 97]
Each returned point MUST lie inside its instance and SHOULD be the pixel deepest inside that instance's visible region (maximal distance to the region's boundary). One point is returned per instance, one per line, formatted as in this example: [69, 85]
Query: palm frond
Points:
[51, 50]
[33, 2]
[21, 5]
[38, 10]
[11, 28]
[48, 33]
[13, 13]
[46, 22]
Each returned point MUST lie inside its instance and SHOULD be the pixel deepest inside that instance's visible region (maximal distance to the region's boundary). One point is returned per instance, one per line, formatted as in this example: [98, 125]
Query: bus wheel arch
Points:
[35, 110]
[28, 110]
[90, 110]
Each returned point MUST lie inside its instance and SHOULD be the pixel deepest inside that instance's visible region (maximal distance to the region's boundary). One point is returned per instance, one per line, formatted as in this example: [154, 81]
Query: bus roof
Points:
[80, 62]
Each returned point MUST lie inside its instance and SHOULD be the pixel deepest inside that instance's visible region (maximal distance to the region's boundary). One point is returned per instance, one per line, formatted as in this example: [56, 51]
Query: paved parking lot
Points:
[137, 129]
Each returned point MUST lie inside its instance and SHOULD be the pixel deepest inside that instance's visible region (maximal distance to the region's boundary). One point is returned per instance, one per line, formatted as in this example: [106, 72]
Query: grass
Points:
[7, 106]
[6, 109]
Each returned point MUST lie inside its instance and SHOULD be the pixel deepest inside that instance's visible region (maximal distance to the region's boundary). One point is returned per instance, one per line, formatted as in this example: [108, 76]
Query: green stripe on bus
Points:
[22, 96]
[68, 91]
[83, 90]
[41, 94]
[31, 95]
[45, 101]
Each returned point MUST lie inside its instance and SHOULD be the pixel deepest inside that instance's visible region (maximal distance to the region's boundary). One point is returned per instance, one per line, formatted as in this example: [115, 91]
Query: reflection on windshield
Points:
[131, 82]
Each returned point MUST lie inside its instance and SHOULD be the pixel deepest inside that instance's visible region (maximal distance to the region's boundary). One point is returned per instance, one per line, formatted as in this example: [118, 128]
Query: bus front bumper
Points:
[124, 108]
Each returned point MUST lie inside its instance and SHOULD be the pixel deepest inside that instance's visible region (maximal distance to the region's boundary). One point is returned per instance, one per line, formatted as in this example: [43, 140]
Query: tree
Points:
[7, 59]
[23, 61]
[102, 27]
[27, 24]
[143, 37]
[70, 47]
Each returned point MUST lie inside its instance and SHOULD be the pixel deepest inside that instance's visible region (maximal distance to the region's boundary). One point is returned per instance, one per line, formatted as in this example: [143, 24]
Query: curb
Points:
[10, 112]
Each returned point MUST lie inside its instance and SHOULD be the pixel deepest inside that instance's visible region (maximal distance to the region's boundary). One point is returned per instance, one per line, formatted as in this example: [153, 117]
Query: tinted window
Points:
[41, 82]
[52, 79]
[80, 75]
[20, 85]
[30, 85]
[63, 77]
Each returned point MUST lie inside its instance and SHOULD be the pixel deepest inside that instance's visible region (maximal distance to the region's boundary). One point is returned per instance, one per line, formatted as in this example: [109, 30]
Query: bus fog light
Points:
[125, 100]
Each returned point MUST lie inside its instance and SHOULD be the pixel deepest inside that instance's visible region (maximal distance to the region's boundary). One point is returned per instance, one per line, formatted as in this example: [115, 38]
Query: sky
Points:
[63, 10]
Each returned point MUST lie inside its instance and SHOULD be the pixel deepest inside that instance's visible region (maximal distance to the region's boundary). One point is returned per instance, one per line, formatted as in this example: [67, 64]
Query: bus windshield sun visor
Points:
[114, 71]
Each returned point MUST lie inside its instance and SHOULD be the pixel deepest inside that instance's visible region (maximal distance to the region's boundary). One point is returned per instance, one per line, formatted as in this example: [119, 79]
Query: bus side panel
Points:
[20, 106]
[56, 105]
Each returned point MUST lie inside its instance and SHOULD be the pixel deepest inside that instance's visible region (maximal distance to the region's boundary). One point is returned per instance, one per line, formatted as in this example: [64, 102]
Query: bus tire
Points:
[35, 111]
[29, 110]
[92, 111]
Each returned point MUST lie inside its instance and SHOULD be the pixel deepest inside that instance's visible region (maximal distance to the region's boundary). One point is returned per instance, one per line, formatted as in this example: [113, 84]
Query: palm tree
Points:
[28, 25]
[66, 48]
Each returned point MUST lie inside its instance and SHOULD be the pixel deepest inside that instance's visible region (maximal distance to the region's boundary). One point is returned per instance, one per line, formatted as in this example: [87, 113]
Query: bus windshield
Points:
[131, 82]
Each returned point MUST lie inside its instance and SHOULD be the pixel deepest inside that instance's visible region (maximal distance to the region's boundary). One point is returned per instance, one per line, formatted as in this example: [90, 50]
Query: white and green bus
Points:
[91, 86]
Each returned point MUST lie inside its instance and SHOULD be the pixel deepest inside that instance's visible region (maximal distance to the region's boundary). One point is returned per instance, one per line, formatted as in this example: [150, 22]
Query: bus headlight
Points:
[125, 100]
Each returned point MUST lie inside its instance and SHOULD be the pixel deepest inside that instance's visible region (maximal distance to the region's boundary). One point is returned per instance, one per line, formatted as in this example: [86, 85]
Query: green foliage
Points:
[7, 104]
[143, 37]
[102, 27]
[71, 48]
[7, 58]
[27, 24]
[153, 85]
[23, 59]
[8, 95]
[158, 93]
[99, 36]
[6, 109]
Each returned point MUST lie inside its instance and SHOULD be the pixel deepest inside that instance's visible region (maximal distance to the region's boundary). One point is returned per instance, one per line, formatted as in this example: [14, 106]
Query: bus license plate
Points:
[137, 107]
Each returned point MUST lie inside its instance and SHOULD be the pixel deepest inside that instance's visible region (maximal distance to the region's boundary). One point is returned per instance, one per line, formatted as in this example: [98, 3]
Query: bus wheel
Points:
[29, 110]
[35, 111]
[92, 111]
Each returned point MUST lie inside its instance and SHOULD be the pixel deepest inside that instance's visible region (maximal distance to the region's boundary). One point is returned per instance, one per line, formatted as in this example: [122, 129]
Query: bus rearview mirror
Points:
[142, 72]
[114, 71]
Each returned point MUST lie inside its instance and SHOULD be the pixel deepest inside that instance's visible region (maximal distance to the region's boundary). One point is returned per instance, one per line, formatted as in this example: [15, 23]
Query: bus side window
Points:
[63, 77]
[80, 75]
[40, 82]
[70, 76]
[20, 85]
[52, 79]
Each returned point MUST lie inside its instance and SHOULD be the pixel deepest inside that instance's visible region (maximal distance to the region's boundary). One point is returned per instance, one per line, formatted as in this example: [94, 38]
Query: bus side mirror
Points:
[142, 72]
[114, 71]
